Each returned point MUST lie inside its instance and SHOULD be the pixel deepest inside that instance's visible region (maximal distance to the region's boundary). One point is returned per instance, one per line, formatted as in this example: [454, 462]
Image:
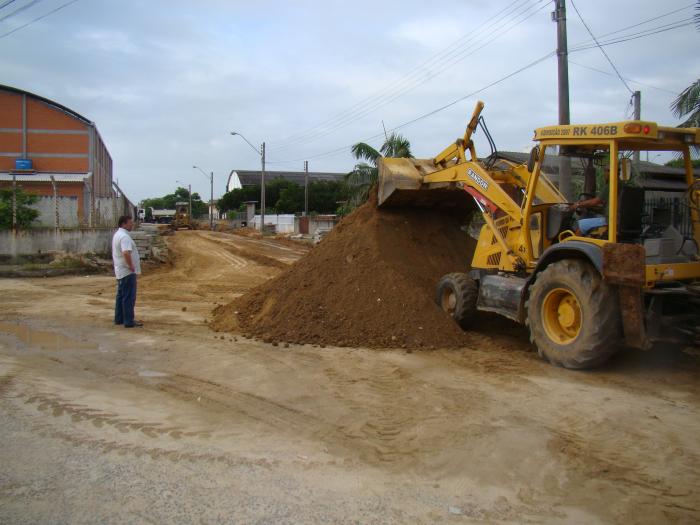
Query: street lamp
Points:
[211, 200]
[262, 178]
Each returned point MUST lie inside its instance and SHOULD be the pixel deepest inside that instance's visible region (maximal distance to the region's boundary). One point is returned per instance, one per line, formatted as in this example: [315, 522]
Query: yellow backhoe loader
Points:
[627, 282]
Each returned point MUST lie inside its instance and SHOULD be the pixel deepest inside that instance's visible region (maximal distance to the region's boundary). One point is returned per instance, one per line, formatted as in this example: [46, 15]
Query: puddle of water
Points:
[152, 373]
[45, 339]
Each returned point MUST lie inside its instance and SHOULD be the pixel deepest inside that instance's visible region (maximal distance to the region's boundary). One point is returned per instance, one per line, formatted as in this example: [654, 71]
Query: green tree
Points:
[365, 173]
[25, 214]
[680, 163]
[167, 202]
[687, 104]
[291, 199]
[325, 196]
[283, 196]
[233, 200]
[273, 190]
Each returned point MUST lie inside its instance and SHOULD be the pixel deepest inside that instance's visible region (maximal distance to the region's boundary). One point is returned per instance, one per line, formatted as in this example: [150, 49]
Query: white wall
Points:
[67, 212]
[284, 223]
[107, 211]
[33, 242]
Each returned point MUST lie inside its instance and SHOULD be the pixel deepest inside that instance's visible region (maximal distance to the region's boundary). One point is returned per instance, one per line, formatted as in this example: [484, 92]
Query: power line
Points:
[426, 115]
[600, 47]
[5, 4]
[380, 98]
[20, 9]
[409, 76]
[388, 95]
[38, 18]
[635, 36]
[627, 79]
[643, 22]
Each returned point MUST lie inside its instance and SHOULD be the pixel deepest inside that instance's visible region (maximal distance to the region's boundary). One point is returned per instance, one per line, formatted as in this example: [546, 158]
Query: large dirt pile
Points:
[371, 282]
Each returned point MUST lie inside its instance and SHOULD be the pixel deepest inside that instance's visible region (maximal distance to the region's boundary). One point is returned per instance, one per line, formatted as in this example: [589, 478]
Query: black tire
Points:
[585, 306]
[457, 294]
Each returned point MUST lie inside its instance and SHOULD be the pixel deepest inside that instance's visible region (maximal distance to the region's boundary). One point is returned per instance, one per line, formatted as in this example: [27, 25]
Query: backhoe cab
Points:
[581, 295]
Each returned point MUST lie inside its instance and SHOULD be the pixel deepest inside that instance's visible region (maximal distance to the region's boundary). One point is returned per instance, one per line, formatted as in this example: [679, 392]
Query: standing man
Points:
[127, 265]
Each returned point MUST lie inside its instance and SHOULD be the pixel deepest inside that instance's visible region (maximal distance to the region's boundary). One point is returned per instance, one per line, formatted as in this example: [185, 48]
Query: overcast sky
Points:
[167, 81]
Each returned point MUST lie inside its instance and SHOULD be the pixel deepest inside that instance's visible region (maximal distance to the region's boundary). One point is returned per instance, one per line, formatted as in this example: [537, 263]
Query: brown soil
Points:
[370, 283]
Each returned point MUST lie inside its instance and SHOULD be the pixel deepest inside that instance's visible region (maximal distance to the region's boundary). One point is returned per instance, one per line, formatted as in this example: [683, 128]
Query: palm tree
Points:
[688, 103]
[365, 173]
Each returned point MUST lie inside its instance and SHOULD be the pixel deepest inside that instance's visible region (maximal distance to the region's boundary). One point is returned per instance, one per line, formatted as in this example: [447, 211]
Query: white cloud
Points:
[107, 41]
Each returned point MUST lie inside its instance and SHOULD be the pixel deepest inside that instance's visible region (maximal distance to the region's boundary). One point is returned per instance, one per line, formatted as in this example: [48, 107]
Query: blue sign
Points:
[23, 164]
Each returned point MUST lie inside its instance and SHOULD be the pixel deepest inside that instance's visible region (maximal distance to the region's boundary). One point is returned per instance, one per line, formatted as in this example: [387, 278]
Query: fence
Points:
[65, 212]
[59, 210]
[668, 211]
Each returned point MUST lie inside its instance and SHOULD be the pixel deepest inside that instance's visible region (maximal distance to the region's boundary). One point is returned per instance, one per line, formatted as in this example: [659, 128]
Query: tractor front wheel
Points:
[573, 315]
[456, 295]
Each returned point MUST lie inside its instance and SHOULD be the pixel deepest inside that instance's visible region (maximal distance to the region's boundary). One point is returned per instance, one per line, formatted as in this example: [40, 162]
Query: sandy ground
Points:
[175, 423]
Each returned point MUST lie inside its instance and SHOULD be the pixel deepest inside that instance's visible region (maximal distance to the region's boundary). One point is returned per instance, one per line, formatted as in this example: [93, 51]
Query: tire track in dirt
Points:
[377, 440]
[278, 256]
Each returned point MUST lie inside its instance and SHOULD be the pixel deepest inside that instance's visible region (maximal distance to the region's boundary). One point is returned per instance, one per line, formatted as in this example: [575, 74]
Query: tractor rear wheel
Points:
[573, 315]
[456, 295]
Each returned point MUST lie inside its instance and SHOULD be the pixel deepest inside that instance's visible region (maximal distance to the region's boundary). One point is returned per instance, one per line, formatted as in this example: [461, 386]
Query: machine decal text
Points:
[479, 180]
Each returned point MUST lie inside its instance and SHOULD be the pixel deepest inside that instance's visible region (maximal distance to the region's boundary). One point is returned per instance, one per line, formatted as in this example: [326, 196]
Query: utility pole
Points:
[306, 188]
[14, 203]
[559, 16]
[262, 189]
[211, 203]
[189, 209]
[211, 199]
[637, 104]
[262, 178]
[55, 201]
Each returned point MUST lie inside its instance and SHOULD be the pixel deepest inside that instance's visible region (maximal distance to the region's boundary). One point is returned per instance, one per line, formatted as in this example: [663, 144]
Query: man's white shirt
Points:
[122, 242]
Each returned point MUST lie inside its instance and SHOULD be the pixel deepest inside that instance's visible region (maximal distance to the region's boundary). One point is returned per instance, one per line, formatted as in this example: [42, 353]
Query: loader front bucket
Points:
[401, 184]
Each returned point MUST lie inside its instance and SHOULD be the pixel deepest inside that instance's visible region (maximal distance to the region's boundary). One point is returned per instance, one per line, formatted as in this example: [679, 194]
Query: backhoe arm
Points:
[456, 152]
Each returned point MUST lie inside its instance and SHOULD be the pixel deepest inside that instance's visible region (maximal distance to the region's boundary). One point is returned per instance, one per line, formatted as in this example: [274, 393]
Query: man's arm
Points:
[588, 203]
[129, 262]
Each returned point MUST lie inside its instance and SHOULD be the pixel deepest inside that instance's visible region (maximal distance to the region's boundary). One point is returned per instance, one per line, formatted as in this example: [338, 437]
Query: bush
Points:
[25, 214]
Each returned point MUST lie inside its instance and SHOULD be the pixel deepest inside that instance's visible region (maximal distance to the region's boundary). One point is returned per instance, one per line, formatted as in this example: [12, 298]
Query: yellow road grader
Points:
[581, 296]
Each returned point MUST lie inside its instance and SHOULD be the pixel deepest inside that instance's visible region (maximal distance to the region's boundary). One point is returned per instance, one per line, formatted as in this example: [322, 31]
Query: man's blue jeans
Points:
[586, 225]
[126, 299]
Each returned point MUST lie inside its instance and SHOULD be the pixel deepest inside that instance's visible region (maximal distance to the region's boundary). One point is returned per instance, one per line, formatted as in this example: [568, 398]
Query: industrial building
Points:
[52, 151]
[239, 178]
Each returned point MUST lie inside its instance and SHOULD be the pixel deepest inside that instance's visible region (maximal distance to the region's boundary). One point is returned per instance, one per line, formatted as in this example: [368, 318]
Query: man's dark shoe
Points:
[135, 325]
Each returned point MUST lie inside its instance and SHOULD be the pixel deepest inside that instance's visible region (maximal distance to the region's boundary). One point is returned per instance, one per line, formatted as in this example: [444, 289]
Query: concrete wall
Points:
[33, 242]
[312, 224]
[283, 223]
[107, 211]
[321, 224]
[64, 189]
[67, 212]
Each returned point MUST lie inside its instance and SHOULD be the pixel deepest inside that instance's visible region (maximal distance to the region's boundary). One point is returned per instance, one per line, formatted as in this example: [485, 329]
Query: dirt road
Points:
[176, 423]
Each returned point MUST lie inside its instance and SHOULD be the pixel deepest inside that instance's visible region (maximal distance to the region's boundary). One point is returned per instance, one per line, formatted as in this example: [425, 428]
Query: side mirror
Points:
[534, 155]
[625, 169]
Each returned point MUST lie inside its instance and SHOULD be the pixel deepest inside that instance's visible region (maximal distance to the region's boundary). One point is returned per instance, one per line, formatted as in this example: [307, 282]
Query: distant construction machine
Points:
[581, 296]
[181, 219]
